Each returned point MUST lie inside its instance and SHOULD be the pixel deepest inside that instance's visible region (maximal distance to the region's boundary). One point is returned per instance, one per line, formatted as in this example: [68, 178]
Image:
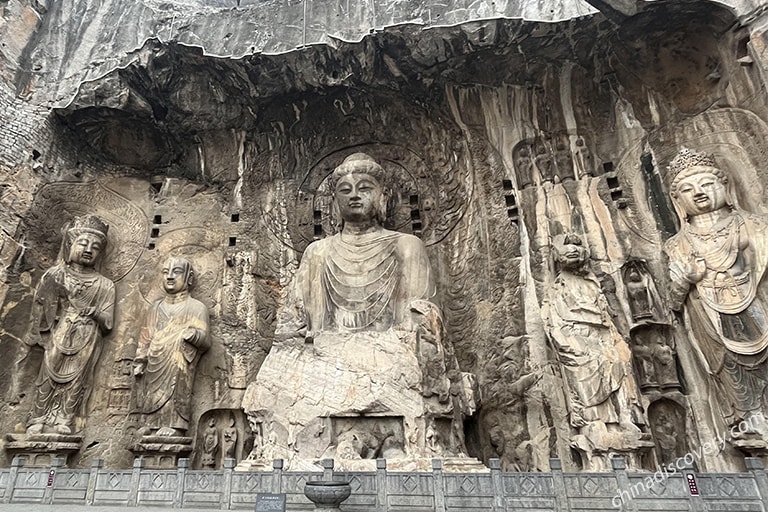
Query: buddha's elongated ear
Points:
[190, 277]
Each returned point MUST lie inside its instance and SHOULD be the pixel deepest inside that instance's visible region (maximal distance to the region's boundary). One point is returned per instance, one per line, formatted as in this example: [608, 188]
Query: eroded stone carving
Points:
[360, 335]
[173, 338]
[603, 399]
[210, 445]
[73, 308]
[668, 421]
[655, 359]
[717, 263]
[229, 439]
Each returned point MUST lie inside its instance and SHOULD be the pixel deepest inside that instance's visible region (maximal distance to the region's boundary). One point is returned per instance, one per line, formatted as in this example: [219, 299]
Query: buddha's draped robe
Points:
[359, 283]
[165, 390]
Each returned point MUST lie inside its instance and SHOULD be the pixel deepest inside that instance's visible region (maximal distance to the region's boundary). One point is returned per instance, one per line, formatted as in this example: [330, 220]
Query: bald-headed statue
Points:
[365, 278]
[173, 338]
[361, 368]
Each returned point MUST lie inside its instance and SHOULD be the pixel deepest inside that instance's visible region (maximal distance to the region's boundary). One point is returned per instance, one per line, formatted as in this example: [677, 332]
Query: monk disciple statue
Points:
[360, 368]
[717, 264]
[173, 338]
[74, 307]
[603, 399]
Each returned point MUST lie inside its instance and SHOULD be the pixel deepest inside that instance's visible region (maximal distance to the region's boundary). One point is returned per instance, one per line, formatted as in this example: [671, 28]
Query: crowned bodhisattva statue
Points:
[73, 309]
[361, 368]
[717, 265]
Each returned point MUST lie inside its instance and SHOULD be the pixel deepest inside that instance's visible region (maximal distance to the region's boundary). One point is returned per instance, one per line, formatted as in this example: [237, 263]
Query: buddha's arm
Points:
[680, 274]
[293, 318]
[104, 313]
[196, 333]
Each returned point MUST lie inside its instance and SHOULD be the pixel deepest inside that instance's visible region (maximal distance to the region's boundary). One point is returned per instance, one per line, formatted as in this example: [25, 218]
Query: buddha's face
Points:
[570, 253]
[358, 196]
[175, 276]
[85, 249]
[700, 193]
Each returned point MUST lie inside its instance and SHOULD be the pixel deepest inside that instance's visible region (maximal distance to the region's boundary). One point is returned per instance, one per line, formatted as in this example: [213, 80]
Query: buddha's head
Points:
[86, 240]
[570, 251]
[358, 189]
[178, 275]
[698, 185]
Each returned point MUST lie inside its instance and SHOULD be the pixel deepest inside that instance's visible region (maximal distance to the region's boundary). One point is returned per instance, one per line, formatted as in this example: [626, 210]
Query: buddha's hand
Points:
[89, 311]
[426, 316]
[189, 335]
[690, 271]
[695, 269]
[139, 366]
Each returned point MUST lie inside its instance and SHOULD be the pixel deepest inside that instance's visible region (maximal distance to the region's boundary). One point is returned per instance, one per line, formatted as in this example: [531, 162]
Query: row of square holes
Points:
[416, 225]
[158, 219]
[511, 202]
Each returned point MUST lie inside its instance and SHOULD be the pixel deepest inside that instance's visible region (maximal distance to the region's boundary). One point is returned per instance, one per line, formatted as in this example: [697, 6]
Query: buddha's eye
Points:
[685, 189]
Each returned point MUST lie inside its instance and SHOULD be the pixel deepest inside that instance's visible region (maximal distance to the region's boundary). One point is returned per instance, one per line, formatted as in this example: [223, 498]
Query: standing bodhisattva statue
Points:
[717, 265]
[173, 338]
[74, 304]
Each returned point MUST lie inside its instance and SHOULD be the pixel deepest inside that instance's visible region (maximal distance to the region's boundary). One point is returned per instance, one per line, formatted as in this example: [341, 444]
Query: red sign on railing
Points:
[693, 488]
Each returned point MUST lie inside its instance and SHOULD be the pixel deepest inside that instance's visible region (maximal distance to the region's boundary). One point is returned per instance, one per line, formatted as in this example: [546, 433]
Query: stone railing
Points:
[383, 490]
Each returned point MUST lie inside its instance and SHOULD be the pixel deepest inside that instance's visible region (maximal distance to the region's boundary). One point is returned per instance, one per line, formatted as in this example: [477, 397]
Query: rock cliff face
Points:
[208, 129]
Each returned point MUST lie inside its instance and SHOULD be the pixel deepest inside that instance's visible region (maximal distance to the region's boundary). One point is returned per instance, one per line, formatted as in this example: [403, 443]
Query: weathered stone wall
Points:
[201, 130]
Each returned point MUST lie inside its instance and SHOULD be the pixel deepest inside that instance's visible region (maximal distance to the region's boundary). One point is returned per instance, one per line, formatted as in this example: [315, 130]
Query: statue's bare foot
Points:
[62, 429]
[167, 432]
[37, 428]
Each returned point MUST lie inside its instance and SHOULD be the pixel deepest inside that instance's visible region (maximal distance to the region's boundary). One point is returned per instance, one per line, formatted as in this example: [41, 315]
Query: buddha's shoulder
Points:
[319, 246]
[408, 243]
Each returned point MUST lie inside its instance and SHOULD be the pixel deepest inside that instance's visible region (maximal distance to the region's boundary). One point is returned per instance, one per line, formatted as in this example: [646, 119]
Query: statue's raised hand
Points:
[89, 311]
[695, 269]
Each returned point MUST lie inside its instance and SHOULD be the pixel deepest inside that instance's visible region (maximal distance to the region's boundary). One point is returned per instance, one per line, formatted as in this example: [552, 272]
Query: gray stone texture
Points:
[207, 130]
[194, 489]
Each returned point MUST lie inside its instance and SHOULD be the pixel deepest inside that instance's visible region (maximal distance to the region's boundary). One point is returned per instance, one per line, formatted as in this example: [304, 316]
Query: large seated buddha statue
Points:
[360, 368]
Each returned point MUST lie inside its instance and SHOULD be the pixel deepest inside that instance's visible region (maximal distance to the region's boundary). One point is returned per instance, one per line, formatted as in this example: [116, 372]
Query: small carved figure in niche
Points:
[667, 420]
[433, 440]
[210, 445]
[717, 264]
[655, 360]
[229, 439]
[583, 159]
[664, 362]
[595, 359]
[640, 299]
[75, 304]
[544, 163]
[644, 364]
[173, 338]
[524, 166]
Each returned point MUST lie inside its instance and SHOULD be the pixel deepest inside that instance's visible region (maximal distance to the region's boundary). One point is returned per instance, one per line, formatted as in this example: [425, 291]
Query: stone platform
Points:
[40, 450]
